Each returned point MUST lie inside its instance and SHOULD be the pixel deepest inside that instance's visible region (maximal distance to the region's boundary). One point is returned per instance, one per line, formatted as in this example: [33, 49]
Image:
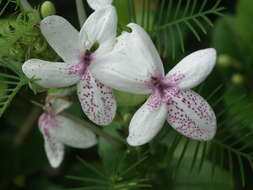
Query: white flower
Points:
[98, 4]
[77, 51]
[135, 66]
[59, 130]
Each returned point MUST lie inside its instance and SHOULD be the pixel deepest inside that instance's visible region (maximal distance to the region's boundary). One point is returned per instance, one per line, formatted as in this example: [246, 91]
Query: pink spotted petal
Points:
[97, 100]
[191, 115]
[54, 149]
[147, 122]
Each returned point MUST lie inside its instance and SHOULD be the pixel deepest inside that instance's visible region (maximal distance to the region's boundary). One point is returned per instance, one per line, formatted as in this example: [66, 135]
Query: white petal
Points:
[194, 68]
[191, 115]
[132, 63]
[54, 149]
[100, 27]
[98, 4]
[73, 134]
[97, 100]
[147, 122]
[50, 74]
[62, 37]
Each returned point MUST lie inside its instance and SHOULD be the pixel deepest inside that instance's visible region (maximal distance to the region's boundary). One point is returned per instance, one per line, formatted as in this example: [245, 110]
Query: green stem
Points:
[13, 94]
[81, 12]
[25, 5]
[110, 139]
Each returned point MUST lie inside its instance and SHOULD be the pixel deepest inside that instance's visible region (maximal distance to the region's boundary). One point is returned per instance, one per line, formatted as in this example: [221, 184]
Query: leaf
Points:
[129, 100]
[190, 18]
[225, 30]
[244, 21]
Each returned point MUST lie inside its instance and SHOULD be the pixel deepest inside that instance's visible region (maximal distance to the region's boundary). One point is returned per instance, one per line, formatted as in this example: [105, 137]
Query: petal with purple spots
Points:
[97, 100]
[191, 115]
[147, 121]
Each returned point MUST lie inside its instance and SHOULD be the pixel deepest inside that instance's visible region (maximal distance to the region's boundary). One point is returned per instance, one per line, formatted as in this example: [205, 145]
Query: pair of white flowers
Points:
[96, 60]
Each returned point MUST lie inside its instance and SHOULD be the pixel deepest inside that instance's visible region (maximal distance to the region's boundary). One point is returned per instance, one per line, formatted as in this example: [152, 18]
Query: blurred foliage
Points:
[170, 161]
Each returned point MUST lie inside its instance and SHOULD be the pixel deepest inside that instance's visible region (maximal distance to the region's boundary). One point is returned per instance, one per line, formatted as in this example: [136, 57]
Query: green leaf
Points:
[244, 21]
[128, 100]
[224, 33]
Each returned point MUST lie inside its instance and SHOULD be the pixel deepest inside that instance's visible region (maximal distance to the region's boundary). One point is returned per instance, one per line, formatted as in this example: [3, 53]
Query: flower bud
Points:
[47, 9]
[126, 118]
[224, 61]
[238, 79]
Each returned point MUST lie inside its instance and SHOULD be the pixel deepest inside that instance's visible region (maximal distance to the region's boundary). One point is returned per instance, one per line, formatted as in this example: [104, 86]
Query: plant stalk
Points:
[25, 5]
[81, 12]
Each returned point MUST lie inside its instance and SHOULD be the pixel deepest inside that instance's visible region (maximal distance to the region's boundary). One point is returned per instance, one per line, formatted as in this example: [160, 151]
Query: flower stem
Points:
[25, 5]
[81, 12]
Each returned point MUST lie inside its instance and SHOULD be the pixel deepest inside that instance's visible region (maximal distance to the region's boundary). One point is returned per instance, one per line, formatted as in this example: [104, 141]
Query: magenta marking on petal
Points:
[46, 120]
[81, 68]
[184, 122]
[160, 85]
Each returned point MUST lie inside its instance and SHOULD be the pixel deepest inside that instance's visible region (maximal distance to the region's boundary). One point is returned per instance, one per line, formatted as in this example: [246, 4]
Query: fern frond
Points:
[20, 29]
[183, 18]
[12, 84]
[117, 180]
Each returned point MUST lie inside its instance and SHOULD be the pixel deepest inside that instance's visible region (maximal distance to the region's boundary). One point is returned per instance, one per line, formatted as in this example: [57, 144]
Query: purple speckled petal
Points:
[194, 68]
[97, 100]
[98, 4]
[54, 149]
[50, 74]
[191, 115]
[147, 121]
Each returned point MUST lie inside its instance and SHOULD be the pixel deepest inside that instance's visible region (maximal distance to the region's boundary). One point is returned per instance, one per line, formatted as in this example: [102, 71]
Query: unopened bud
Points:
[238, 79]
[47, 9]
[127, 117]
[224, 60]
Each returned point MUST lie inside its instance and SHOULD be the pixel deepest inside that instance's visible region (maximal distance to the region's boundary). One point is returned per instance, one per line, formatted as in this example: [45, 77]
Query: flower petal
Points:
[50, 74]
[100, 27]
[132, 63]
[62, 37]
[54, 148]
[71, 133]
[97, 100]
[98, 4]
[147, 122]
[194, 68]
[191, 115]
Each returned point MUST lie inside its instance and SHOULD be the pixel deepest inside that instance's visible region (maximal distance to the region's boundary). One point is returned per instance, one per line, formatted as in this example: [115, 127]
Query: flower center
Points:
[160, 84]
[84, 61]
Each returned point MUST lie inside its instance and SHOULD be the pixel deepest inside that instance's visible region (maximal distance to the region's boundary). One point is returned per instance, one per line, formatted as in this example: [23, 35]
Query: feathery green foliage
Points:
[120, 178]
